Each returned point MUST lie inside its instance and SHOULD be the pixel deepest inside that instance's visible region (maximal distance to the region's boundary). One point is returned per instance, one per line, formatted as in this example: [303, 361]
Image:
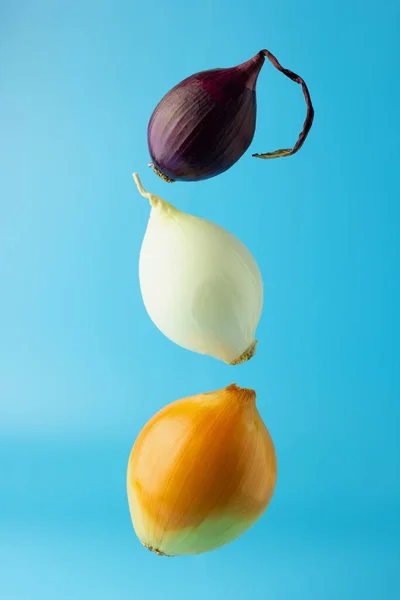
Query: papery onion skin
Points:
[188, 144]
[201, 472]
[204, 124]
[200, 285]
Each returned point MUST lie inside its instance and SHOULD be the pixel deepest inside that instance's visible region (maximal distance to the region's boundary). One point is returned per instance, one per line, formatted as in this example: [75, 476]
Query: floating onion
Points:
[201, 472]
[203, 125]
[200, 285]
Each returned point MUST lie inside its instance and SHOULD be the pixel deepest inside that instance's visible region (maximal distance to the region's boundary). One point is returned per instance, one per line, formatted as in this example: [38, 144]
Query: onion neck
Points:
[252, 69]
[154, 200]
[162, 206]
[242, 395]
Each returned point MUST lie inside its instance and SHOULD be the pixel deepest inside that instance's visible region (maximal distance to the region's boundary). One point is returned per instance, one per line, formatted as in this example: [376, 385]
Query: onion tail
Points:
[309, 116]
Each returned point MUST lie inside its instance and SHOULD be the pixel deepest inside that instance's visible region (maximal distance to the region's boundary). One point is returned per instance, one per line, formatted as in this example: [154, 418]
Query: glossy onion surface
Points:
[205, 123]
[201, 472]
[200, 285]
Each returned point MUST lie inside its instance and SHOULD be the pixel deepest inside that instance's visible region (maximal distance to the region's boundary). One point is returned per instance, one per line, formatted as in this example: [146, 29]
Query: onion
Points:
[206, 122]
[201, 472]
[200, 285]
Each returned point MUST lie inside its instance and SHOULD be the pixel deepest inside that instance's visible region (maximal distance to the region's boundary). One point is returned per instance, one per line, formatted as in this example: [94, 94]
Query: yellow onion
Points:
[201, 472]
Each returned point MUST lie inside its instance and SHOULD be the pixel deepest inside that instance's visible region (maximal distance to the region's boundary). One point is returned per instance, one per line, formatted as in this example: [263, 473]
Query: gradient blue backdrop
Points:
[82, 367]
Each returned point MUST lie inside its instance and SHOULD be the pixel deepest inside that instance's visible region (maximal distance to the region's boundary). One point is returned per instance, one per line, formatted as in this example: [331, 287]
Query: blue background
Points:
[82, 368]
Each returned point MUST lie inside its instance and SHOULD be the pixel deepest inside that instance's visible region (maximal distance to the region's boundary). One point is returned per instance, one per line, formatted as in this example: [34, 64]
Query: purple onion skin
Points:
[205, 123]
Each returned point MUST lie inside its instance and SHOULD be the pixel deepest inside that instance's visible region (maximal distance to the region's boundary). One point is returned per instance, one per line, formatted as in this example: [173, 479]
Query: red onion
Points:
[205, 123]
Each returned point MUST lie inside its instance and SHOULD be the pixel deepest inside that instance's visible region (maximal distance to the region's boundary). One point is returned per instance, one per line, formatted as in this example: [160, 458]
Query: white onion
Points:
[200, 285]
